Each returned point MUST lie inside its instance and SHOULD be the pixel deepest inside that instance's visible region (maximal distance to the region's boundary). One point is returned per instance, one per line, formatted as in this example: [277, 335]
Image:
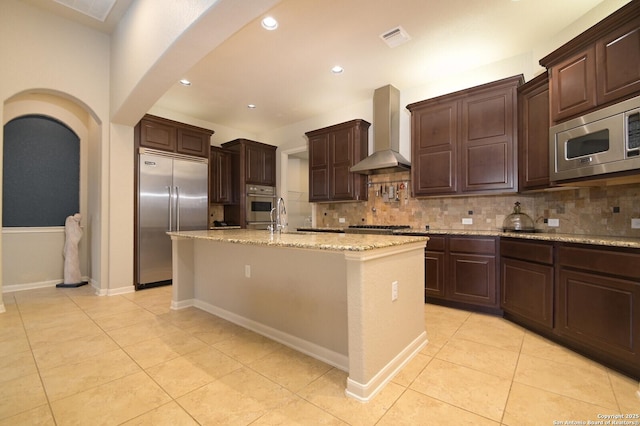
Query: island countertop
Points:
[310, 240]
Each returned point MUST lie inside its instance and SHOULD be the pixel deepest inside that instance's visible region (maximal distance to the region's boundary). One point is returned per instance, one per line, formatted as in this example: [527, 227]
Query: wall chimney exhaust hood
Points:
[386, 157]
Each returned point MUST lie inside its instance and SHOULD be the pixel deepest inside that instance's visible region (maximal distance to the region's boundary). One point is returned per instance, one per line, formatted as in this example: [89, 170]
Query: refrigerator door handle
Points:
[170, 227]
[177, 208]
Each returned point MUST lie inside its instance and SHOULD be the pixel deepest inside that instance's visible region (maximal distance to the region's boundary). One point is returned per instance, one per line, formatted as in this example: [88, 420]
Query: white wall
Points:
[33, 256]
[61, 69]
[297, 197]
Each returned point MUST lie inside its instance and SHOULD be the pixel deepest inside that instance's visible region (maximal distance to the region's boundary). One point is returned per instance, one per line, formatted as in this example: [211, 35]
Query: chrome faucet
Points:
[276, 225]
[280, 210]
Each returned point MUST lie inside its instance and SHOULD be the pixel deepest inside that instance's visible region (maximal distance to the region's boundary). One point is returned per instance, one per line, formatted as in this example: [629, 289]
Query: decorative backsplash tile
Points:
[584, 211]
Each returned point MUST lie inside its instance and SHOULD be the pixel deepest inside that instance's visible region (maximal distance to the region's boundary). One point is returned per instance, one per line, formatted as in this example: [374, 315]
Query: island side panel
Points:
[182, 272]
[384, 335]
[295, 296]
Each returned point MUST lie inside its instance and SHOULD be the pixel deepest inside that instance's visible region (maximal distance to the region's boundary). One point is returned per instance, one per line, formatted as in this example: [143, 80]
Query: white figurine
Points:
[72, 233]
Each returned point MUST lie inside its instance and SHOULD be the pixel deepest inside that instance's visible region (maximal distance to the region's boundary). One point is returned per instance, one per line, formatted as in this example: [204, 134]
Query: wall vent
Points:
[395, 37]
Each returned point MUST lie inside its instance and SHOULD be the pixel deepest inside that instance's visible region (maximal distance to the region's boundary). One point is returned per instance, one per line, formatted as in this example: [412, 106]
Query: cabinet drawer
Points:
[614, 262]
[472, 245]
[435, 243]
[525, 250]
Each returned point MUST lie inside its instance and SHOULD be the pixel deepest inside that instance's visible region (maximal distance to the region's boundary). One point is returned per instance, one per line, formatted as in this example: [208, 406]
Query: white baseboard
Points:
[325, 355]
[121, 290]
[182, 304]
[10, 288]
[364, 392]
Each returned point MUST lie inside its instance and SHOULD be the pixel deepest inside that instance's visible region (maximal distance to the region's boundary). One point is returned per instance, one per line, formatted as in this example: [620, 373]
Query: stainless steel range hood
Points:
[386, 157]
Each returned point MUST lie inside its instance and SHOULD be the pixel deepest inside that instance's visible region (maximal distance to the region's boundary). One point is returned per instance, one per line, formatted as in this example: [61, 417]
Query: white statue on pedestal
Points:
[72, 234]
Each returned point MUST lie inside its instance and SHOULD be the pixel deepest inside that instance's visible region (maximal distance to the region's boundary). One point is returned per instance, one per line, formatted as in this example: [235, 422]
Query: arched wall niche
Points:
[32, 258]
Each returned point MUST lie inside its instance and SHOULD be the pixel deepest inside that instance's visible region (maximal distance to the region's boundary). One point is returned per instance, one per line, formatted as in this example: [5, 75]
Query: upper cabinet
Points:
[220, 188]
[332, 152]
[257, 161]
[167, 135]
[533, 134]
[597, 68]
[465, 142]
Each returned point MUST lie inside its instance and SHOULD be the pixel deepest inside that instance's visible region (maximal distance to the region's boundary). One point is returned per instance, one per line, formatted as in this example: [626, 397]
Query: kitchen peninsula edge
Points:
[324, 294]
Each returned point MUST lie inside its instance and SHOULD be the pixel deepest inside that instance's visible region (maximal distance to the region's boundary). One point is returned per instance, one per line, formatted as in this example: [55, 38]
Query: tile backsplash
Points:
[585, 211]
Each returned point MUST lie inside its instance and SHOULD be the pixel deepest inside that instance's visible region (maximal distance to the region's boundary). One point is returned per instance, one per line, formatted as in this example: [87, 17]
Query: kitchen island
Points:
[353, 301]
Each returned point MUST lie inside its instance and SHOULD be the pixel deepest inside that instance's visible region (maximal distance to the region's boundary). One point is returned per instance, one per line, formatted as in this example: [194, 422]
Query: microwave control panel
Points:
[633, 134]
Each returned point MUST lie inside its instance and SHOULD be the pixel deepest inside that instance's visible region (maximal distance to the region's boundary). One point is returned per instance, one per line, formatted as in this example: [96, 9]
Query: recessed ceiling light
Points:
[185, 82]
[269, 23]
[337, 69]
[251, 106]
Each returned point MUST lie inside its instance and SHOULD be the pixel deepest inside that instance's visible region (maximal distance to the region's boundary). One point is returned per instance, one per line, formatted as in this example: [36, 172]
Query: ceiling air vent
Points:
[395, 37]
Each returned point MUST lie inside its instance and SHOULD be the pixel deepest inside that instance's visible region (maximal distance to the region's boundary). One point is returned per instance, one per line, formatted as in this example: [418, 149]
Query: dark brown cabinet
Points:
[573, 84]
[220, 188]
[434, 268]
[618, 66]
[332, 152]
[598, 67]
[533, 134]
[257, 161]
[251, 163]
[465, 142]
[527, 281]
[473, 271]
[598, 303]
[167, 135]
[260, 166]
[461, 271]
[434, 147]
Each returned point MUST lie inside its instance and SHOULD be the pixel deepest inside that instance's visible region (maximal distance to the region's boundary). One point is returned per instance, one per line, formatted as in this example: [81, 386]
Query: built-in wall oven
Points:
[259, 203]
[598, 143]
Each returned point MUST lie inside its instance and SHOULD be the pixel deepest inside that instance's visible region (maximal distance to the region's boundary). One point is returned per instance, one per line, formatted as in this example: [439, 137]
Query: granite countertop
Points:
[602, 240]
[310, 240]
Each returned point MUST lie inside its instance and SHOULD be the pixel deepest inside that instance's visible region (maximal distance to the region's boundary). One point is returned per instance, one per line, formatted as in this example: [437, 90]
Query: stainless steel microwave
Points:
[598, 143]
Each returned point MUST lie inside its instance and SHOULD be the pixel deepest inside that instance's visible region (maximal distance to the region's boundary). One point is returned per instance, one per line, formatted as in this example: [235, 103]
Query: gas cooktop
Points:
[374, 229]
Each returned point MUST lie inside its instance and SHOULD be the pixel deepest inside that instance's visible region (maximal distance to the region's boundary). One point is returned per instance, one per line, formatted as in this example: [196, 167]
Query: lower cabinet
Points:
[585, 297]
[473, 271]
[527, 281]
[461, 271]
[598, 303]
[434, 268]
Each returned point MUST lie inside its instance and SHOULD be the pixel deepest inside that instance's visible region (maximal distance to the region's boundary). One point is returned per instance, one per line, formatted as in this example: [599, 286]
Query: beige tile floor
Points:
[68, 357]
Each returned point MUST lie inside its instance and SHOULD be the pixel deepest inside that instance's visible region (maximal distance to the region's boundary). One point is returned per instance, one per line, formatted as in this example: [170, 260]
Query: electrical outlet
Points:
[467, 221]
[553, 222]
[341, 220]
[635, 223]
[394, 291]
[247, 271]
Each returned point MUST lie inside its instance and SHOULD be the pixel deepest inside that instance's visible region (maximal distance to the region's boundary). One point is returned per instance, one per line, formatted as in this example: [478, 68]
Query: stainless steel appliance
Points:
[172, 196]
[601, 142]
[386, 135]
[375, 229]
[260, 201]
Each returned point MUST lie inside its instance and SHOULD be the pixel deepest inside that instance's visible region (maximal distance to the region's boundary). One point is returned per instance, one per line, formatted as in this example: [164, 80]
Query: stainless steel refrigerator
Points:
[172, 196]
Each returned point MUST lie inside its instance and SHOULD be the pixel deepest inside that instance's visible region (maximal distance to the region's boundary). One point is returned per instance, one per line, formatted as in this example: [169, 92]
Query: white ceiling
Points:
[286, 72]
